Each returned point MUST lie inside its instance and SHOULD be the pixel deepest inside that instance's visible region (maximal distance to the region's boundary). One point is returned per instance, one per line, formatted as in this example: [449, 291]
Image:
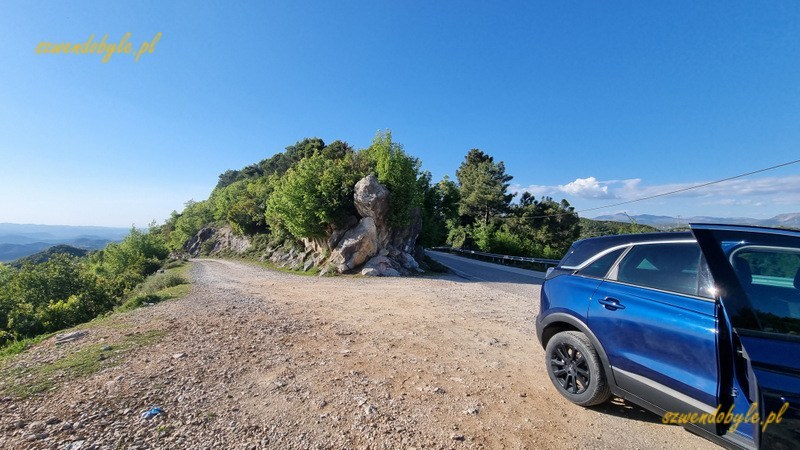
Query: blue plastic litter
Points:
[152, 412]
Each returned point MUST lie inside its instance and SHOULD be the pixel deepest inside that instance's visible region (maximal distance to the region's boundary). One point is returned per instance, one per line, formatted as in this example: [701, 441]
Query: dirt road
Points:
[260, 359]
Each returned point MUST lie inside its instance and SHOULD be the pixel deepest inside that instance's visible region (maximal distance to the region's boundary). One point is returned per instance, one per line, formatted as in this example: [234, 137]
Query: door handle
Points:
[611, 304]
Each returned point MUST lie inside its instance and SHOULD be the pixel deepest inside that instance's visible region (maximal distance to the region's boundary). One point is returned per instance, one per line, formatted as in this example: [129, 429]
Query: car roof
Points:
[586, 248]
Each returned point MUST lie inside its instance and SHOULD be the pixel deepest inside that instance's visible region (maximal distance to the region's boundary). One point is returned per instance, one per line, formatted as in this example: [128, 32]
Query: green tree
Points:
[52, 295]
[125, 264]
[185, 225]
[397, 171]
[550, 227]
[242, 204]
[483, 187]
[313, 195]
[6, 302]
[439, 209]
[281, 162]
[594, 228]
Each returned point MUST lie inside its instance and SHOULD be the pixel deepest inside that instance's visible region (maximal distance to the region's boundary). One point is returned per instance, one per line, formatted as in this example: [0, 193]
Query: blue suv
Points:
[702, 328]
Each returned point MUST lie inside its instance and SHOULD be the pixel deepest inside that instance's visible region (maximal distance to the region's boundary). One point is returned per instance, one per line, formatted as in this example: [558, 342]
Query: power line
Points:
[664, 194]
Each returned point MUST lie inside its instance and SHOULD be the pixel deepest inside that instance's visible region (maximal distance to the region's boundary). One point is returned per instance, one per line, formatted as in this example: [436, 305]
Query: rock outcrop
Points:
[215, 241]
[392, 255]
[365, 244]
[193, 245]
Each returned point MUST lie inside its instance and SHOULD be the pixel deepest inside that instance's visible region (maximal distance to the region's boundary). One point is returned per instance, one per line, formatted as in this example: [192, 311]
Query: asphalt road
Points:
[487, 272]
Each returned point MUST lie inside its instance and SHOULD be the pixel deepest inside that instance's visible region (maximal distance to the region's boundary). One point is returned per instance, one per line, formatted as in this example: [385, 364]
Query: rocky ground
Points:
[261, 359]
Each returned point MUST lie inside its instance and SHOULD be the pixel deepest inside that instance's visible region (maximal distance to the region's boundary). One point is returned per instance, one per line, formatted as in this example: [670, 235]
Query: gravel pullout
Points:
[253, 358]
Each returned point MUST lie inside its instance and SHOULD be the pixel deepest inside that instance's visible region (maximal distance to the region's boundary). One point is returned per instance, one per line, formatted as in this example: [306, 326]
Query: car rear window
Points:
[602, 265]
[669, 267]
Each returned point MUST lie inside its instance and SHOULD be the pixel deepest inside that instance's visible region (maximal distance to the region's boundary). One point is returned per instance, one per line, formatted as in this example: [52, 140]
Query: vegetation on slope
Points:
[65, 290]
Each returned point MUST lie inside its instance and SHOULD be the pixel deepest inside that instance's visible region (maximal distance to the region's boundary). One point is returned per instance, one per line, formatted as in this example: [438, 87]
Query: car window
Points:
[770, 277]
[601, 266]
[669, 267]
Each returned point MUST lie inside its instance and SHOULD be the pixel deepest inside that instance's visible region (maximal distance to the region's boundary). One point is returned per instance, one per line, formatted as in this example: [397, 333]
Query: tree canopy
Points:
[484, 186]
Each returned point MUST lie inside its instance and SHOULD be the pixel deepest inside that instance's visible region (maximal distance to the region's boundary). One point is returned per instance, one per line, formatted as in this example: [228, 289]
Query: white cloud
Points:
[587, 188]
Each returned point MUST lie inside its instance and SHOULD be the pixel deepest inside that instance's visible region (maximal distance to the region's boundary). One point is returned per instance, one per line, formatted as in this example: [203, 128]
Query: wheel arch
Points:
[557, 322]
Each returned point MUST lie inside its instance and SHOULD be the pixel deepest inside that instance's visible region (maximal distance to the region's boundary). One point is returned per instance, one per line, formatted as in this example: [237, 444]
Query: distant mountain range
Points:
[20, 240]
[790, 220]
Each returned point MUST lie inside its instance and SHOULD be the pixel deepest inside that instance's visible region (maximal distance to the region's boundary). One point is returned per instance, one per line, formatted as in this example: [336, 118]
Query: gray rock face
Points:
[192, 246]
[405, 239]
[407, 261]
[224, 240]
[356, 247]
[373, 236]
[228, 240]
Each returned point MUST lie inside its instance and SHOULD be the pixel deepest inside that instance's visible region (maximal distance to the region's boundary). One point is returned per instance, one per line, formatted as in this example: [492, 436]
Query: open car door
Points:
[756, 273]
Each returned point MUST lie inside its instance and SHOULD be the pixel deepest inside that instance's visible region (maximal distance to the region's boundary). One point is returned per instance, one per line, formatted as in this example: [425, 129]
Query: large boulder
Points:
[379, 266]
[356, 247]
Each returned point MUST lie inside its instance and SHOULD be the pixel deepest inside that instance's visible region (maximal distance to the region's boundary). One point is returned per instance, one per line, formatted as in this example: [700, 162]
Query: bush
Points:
[127, 263]
[208, 246]
[182, 227]
[457, 237]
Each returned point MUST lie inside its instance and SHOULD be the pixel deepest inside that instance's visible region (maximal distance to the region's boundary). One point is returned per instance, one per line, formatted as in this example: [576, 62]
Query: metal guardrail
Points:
[544, 261]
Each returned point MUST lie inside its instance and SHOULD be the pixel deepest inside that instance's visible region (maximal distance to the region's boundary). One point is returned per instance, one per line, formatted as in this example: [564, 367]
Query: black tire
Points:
[575, 369]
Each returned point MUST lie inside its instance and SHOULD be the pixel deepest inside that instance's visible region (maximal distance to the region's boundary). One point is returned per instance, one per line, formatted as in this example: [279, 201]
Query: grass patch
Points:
[172, 283]
[173, 264]
[17, 347]
[253, 260]
[24, 382]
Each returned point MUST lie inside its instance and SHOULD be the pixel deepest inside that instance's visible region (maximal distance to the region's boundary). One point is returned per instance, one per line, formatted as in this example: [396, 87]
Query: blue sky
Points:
[596, 102]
